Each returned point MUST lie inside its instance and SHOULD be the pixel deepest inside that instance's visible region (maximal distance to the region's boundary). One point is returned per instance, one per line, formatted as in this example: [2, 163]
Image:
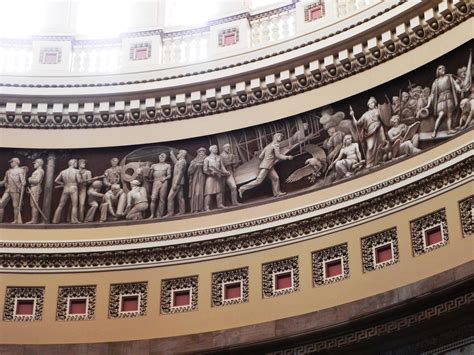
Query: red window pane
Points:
[230, 38]
[50, 58]
[141, 53]
[283, 281]
[232, 291]
[77, 306]
[129, 303]
[333, 268]
[315, 13]
[25, 307]
[433, 236]
[181, 298]
[383, 253]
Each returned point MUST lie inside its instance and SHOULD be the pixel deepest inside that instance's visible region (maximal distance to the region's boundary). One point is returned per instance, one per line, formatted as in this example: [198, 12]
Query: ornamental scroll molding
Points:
[240, 243]
[66, 293]
[269, 272]
[169, 286]
[220, 279]
[419, 226]
[319, 259]
[466, 210]
[13, 294]
[252, 91]
[371, 242]
[117, 291]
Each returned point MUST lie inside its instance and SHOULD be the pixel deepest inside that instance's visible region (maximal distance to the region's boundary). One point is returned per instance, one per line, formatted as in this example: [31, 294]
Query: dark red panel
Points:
[334, 268]
[77, 306]
[433, 236]
[181, 298]
[283, 281]
[129, 303]
[232, 291]
[383, 253]
[25, 307]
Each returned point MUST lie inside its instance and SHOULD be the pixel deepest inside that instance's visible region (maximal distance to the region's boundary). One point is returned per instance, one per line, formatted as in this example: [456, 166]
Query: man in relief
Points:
[35, 190]
[372, 131]
[161, 172]
[113, 175]
[230, 162]
[94, 198]
[137, 201]
[196, 181]
[349, 158]
[401, 145]
[86, 176]
[269, 156]
[444, 97]
[215, 172]
[14, 182]
[177, 183]
[113, 205]
[69, 179]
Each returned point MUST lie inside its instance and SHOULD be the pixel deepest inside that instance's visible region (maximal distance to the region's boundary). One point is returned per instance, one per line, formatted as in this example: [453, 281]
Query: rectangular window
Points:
[283, 280]
[129, 303]
[181, 298]
[433, 236]
[78, 306]
[232, 290]
[333, 268]
[25, 307]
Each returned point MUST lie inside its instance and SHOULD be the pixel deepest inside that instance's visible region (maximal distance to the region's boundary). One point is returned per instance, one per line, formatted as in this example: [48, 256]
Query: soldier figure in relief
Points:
[161, 172]
[444, 97]
[113, 205]
[14, 182]
[269, 157]
[86, 176]
[177, 183]
[69, 179]
[230, 162]
[35, 190]
[113, 175]
[349, 158]
[137, 201]
[215, 171]
[94, 198]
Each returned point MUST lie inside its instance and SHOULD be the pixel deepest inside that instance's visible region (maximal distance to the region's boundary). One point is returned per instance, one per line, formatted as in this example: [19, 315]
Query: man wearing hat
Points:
[14, 182]
[137, 201]
[35, 181]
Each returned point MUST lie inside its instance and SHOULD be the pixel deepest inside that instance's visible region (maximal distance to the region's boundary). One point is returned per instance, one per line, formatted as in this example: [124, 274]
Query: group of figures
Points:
[382, 133]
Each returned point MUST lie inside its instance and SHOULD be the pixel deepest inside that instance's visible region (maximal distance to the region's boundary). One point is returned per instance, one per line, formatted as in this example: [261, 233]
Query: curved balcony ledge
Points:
[240, 92]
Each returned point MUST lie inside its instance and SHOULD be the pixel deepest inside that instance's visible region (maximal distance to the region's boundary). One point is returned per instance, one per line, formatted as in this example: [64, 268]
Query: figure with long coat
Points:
[196, 181]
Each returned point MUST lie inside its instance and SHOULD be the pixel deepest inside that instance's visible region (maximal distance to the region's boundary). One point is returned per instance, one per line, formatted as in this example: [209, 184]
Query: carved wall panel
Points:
[120, 293]
[322, 260]
[466, 210]
[384, 244]
[68, 294]
[238, 168]
[179, 295]
[23, 304]
[287, 268]
[238, 278]
[420, 232]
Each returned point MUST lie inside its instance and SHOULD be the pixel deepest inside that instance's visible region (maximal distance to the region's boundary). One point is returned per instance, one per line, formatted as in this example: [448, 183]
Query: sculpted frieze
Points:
[240, 168]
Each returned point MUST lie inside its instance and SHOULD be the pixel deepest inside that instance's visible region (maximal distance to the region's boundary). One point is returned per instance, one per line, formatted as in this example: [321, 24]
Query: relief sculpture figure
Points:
[404, 139]
[86, 176]
[196, 181]
[35, 190]
[177, 183]
[269, 156]
[137, 201]
[94, 198]
[215, 173]
[14, 182]
[69, 180]
[372, 131]
[444, 98]
[113, 175]
[113, 205]
[230, 162]
[161, 172]
[349, 159]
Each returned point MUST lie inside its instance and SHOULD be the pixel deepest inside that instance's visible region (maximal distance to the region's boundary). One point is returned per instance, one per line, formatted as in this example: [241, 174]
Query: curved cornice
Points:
[311, 71]
[435, 177]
